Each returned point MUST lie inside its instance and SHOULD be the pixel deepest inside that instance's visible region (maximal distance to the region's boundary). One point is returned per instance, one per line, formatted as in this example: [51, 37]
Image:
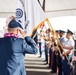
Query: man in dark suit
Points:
[13, 50]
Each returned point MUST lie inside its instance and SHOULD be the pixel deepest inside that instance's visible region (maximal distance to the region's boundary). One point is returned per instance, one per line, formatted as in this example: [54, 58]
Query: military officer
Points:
[59, 64]
[13, 50]
[68, 47]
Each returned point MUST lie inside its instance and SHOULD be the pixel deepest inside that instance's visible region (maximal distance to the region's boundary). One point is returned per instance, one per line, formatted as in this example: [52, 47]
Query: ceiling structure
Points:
[7, 8]
[53, 8]
[57, 8]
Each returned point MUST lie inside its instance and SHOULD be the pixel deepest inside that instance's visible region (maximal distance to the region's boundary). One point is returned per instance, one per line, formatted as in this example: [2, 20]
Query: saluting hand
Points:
[22, 32]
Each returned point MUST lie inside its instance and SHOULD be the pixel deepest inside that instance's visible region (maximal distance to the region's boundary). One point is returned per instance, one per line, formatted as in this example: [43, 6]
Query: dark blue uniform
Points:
[12, 52]
[59, 59]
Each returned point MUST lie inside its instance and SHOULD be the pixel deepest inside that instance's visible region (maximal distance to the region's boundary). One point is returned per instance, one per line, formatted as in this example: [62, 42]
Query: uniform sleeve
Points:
[29, 46]
[72, 43]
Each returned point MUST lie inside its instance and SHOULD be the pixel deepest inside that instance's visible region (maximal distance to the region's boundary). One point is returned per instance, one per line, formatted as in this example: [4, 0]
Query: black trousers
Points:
[59, 64]
[54, 65]
[46, 53]
[74, 69]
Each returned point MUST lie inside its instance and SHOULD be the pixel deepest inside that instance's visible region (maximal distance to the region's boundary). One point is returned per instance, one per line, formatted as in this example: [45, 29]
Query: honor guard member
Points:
[74, 56]
[57, 33]
[50, 51]
[52, 55]
[74, 63]
[62, 36]
[13, 50]
[68, 47]
[59, 59]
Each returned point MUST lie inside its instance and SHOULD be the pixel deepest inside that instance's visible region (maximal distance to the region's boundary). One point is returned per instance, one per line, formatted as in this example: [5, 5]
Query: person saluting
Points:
[13, 50]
